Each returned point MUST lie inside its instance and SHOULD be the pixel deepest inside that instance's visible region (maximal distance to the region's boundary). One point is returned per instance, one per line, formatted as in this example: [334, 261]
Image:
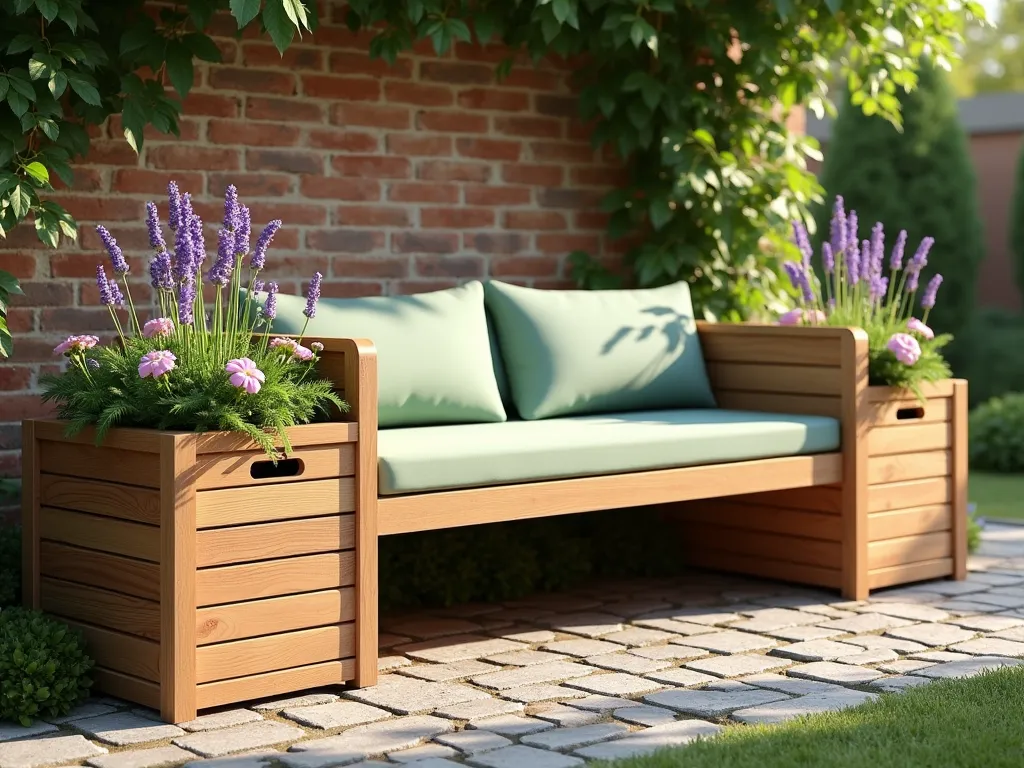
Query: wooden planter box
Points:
[198, 572]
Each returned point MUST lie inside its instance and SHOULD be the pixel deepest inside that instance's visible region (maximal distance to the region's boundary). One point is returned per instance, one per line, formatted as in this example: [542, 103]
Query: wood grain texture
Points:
[825, 498]
[783, 570]
[280, 501]
[910, 549]
[93, 462]
[126, 439]
[783, 379]
[912, 493]
[113, 610]
[909, 466]
[140, 505]
[275, 683]
[770, 349]
[909, 522]
[269, 541]
[761, 545]
[959, 475]
[105, 534]
[239, 658]
[909, 438]
[889, 412]
[755, 517]
[254, 618]
[930, 390]
[855, 435]
[904, 574]
[100, 569]
[127, 687]
[271, 578]
[303, 435]
[134, 656]
[767, 402]
[30, 538]
[234, 470]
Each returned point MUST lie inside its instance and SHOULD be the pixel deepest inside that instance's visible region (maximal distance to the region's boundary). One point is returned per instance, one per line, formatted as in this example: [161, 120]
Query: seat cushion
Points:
[472, 455]
[434, 362]
[576, 352]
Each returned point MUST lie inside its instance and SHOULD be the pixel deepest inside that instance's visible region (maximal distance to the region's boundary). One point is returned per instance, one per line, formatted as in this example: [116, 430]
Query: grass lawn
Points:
[998, 496]
[971, 723]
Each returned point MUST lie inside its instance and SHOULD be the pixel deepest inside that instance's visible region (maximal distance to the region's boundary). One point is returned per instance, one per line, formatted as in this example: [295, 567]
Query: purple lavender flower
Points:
[896, 262]
[116, 257]
[257, 286]
[313, 296]
[184, 248]
[156, 237]
[198, 243]
[231, 208]
[174, 206]
[243, 232]
[116, 297]
[104, 286]
[803, 243]
[920, 259]
[877, 249]
[220, 274]
[259, 253]
[828, 258]
[838, 226]
[160, 271]
[853, 257]
[865, 260]
[270, 307]
[186, 298]
[879, 287]
[930, 291]
[852, 240]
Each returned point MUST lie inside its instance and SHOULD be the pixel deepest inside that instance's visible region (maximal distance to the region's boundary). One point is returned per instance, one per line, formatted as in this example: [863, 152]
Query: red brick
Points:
[579, 131]
[89, 294]
[557, 106]
[541, 175]
[252, 80]
[141, 181]
[252, 134]
[44, 294]
[493, 98]
[296, 57]
[371, 216]
[10, 437]
[443, 170]
[85, 180]
[284, 110]
[182, 157]
[301, 267]
[21, 265]
[456, 218]
[417, 144]
[340, 189]
[524, 266]
[101, 208]
[292, 214]
[569, 198]
[537, 127]
[408, 287]
[187, 128]
[424, 242]
[134, 239]
[450, 266]
[535, 79]
[253, 184]
[344, 240]
[451, 122]
[599, 176]
[456, 72]
[372, 166]
[419, 94]
[492, 52]
[496, 242]
[562, 152]
[228, 51]
[371, 115]
[342, 140]
[113, 152]
[418, 192]
[534, 220]
[493, 195]
[289, 161]
[590, 220]
[18, 407]
[344, 88]
[351, 289]
[32, 350]
[21, 320]
[489, 149]
[76, 319]
[346, 63]
[373, 266]
[568, 243]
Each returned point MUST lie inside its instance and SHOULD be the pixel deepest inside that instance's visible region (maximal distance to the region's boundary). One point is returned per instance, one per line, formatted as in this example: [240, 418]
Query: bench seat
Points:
[420, 459]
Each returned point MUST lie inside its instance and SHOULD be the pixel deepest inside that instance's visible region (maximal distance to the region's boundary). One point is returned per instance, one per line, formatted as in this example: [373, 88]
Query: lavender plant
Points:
[860, 289]
[189, 368]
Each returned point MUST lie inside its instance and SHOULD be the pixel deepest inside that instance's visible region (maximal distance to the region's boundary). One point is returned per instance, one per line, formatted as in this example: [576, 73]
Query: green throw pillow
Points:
[573, 352]
[434, 361]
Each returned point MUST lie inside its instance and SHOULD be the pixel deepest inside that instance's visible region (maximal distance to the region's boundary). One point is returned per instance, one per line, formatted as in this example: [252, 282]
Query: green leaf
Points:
[18, 103]
[200, 11]
[37, 69]
[549, 27]
[486, 25]
[49, 8]
[50, 128]
[660, 212]
[22, 43]
[202, 46]
[57, 84]
[414, 10]
[6, 350]
[20, 83]
[21, 200]
[38, 172]
[784, 8]
[69, 16]
[133, 118]
[138, 37]
[834, 5]
[4, 86]
[85, 87]
[180, 68]
[244, 11]
[279, 26]
[458, 29]
[47, 232]
[562, 9]
[9, 284]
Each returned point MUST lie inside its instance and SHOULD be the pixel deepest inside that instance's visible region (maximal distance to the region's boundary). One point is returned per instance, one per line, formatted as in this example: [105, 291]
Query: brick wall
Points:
[388, 179]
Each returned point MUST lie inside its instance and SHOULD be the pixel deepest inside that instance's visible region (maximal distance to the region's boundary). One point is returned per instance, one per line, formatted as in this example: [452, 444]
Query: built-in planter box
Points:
[200, 573]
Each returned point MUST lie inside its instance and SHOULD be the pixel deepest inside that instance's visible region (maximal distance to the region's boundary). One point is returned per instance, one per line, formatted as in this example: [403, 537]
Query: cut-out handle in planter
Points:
[909, 414]
[264, 470]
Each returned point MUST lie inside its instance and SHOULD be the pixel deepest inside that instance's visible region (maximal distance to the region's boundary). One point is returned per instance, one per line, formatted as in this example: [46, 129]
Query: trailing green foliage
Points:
[67, 64]
[920, 179]
[693, 96]
[975, 526]
[8, 287]
[988, 354]
[44, 670]
[10, 565]
[997, 435]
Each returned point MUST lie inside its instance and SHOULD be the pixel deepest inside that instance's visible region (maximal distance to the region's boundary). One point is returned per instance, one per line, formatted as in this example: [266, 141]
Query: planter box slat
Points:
[329, 433]
[234, 470]
[100, 569]
[920, 571]
[104, 534]
[822, 498]
[766, 567]
[274, 683]
[754, 517]
[254, 618]
[783, 379]
[279, 501]
[272, 578]
[117, 611]
[912, 438]
[772, 349]
[909, 522]
[99, 498]
[100, 463]
[909, 466]
[931, 391]
[910, 549]
[131, 655]
[269, 541]
[911, 493]
[760, 544]
[899, 412]
[127, 687]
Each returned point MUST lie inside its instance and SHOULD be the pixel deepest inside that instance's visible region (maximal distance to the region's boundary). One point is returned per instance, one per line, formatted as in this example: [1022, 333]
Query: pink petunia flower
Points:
[156, 363]
[76, 344]
[793, 317]
[905, 347]
[815, 317]
[916, 326]
[161, 326]
[298, 351]
[245, 375]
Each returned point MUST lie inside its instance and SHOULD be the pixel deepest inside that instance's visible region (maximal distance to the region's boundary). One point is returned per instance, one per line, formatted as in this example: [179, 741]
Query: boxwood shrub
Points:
[996, 433]
[10, 565]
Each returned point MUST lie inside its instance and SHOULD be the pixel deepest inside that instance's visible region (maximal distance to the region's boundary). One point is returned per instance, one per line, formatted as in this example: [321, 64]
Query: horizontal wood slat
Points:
[904, 574]
[274, 683]
[817, 499]
[271, 578]
[143, 440]
[909, 549]
[273, 652]
[790, 379]
[280, 501]
[99, 569]
[912, 493]
[814, 525]
[268, 541]
[128, 502]
[910, 438]
[127, 687]
[779, 403]
[301, 436]
[279, 614]
[909, 466]
[937, 409]
[930, 390]
[234, 470]
[765, 567]
[798, 550]
[778, 350]
[909, 522]
[105, 534]
[102, 607]
[119, 652]
[100, 463]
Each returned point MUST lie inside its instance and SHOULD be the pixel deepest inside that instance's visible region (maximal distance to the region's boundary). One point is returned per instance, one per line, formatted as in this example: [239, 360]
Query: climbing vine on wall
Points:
[693, 94]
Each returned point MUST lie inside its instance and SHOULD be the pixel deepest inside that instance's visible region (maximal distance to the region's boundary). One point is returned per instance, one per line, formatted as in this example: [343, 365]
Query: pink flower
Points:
[916, 326]
[74, 344]
[161, 326]
[298, 351]
[245, 374]
[277, 341]
[793, 317]
[156, 363]
[316, 346]
[816, 317]
[905, 347]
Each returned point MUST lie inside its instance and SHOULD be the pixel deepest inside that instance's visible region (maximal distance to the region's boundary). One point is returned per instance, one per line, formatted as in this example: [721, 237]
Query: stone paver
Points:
[913, 611]
[598, 703]
[124, 728]
[582, 648]
[872, 642]
[530, 635]
[408, 696]
[651, 740]
[512, 725]
[458, 648]
[681, 677]
[791, 685]
[870, 656]
[709, 703]
[738, 664]
[295, 701]
[968, 668]
[674, 626]
[638, 637]
[817, 650]
[10, 732]
[444, 673]
[933, 635]
[988, 623]
[89, 709]
[429, 627]
[142, 758]
[366, 740]
[56, 750]
[799, 634]
[626, 662]
[587, 624]
[255, 759]
[479, 709]
[904, 666]
[645, 714]
[770, 619]
[780, 711]
[898, 683]
[865, 622]
[990, 646]
[424, 754]
[241, 737]
[540, 673]
[221, 720]
[831, 672]
[523, 659]
[567, 717]
[338, 714]
[668, 652]
[472, 742]
[731, 641]
[519, 756]
[940, 656]
[565, 739]
[615, 684]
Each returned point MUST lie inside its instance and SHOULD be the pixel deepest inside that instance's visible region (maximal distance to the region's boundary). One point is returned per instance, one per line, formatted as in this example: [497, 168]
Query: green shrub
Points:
[44, 670]
[920, 179]
[10, 565]
[988, 354]
[975, 525]
[1017, 225]
[997, 435]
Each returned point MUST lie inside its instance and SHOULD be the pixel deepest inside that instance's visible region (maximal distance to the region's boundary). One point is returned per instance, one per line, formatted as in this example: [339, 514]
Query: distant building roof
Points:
[987, 113]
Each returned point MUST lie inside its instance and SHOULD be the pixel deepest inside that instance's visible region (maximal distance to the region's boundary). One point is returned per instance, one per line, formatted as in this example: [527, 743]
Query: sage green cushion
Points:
[575, 352]
[434, 361]
[471, 455]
